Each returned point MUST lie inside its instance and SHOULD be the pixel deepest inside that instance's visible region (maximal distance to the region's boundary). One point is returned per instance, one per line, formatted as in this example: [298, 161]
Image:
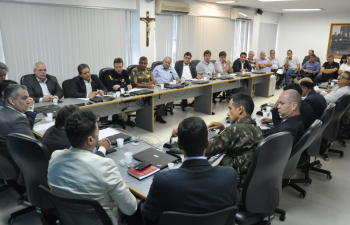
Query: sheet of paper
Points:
[136, 89]
[107, 132]
[85, 99]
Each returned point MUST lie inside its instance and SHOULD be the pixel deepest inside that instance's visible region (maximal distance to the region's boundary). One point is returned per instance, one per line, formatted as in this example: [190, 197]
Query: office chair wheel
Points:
[302, 196]
[341, 155]
[212, 113]
[329, 177]
[20, 202]
[319, 165]
[282, 218]
[11, 221]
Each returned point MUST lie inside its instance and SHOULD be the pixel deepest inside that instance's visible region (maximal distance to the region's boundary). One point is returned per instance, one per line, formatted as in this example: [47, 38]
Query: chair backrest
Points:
[77, 211]
[130, 68]
[213, 61]
[195, 62]
[103, 72]
[299, 147]
[341, 106]
[262, 186]
[66, 86]
[24, 77]
[346, 117]
[314, 148]
[222, 217]
[32, 158]
[8, 168]
[156, 63]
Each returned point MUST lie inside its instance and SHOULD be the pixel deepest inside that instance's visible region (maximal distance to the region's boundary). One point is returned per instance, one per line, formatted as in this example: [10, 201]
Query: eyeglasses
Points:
[342, 77]
[42, 70]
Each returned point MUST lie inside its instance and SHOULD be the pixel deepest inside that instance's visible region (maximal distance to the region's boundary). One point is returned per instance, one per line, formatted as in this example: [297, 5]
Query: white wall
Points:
[301, 32]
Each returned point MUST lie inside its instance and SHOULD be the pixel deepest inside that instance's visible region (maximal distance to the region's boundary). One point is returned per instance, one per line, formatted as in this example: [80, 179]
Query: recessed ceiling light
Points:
[224, 2]
[276, 0]
[295, 10]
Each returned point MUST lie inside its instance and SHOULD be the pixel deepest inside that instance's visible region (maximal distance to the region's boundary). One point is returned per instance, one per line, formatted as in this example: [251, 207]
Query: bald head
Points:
[289, 103]
[262, 55]
[166, 62]
[305, 79]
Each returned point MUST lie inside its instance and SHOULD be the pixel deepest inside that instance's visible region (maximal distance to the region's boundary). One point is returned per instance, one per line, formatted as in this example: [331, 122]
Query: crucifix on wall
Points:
[148, 22]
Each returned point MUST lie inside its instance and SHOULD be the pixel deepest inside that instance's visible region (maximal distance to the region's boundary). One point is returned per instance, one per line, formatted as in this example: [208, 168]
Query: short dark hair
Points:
[206, 52]
[118, 60]
[294, 86]
[330, 56]
[79, 126]
[188, 54]
[193, 136]
[290, 51]
[82, 66]
[64, 113]
[143, 58]
[245, 100]
[307, 84]
[222, 53]
[313, 55]
[243, 53]
[312, 51]
[4, 84]
[12, 91]
[272, 50]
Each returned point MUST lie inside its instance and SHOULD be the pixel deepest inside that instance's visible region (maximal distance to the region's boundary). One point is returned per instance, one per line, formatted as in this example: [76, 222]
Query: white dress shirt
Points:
[186, 72]
[44, 88]
[88, 87]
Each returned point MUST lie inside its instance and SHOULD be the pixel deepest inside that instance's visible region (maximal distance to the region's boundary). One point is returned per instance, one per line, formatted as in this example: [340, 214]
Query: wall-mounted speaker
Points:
[259, 11]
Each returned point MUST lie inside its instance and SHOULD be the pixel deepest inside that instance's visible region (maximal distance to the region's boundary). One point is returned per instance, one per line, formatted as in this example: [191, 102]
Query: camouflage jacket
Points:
[238, 141]
[142, 77]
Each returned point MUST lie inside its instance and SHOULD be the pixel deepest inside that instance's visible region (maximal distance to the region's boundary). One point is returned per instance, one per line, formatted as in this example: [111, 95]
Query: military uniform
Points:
[238, 141]
[142, 77]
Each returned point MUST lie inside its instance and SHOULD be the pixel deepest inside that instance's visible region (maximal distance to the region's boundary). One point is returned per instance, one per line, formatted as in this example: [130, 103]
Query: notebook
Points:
[156, 158]
[148, 171]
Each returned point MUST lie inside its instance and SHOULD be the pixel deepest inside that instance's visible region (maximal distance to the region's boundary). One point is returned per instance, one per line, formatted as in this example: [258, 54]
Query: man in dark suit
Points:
[241, 64]
[86, 85]
[317, 101]
[41, 86]
[196, 187]
[12, 114]
[288, 107]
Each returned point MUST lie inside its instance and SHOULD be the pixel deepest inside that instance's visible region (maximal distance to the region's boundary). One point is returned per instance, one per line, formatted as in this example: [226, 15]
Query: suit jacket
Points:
[317, 102]
[34, 88]
[78, 88]
[196, 187]
[13, 121]
[30, 115]
[79, 173]
[237, 66]
[294, 125]
[179, 67]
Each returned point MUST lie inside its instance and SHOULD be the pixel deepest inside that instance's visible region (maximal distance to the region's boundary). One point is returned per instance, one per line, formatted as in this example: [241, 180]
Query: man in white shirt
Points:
[291, 64]
[337, 91]
[345, 66]
[222, 65]
[186, 69]
[77, 173]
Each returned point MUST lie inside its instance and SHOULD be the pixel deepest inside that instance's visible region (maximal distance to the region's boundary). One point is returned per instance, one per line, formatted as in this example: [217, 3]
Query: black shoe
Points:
[130, 123]
[120, 123]
[160, 119]
[106, 123]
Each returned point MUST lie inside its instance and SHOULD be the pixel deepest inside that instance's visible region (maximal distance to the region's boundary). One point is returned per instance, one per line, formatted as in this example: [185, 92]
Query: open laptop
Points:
[101, 99]
[54, 109]
[114, 137]
[258, 72]
[226, 77]
[141, 92]
[156, 158]
[174, 86]
[246, 74]
[200, 82]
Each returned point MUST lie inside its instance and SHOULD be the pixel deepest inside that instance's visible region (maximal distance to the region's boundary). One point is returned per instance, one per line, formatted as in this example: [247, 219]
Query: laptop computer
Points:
[174, 86]
[258, 72]
[156, 158]
[119, 135]
[246, 74]
[40, 109]
[101, 99]
[54, 109]
[200, 82]
[226, 77]
[141, 92]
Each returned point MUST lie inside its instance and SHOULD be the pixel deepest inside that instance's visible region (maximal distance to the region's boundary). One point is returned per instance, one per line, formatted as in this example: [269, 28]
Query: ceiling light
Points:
[224, 2]
[296, 10]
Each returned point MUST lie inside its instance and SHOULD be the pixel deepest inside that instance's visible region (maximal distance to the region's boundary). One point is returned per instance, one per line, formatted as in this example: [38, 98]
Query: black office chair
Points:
[66, 86]
[222, 217]
[314, 148]
[263, 183]
[103, 73]
[293, 76]
[9, 172]
[213, 61]
[330, 134]
[344, 128]
[77, 210]
[294, 158]
[195, 62]
[130, 68]
[32, 158]
[24, 77]
[156, 63]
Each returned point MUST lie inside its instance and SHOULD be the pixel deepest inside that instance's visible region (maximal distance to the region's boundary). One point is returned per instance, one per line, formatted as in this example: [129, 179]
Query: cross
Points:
[148, 22]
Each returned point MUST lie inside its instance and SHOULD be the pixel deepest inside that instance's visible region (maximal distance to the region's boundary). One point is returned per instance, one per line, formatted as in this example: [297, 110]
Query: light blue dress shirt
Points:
[315, 66]
[263, 61]
[163, 75]
[275, 64]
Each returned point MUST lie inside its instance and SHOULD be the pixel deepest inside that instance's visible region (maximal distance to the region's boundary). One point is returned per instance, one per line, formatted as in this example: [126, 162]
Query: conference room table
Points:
[253, 84]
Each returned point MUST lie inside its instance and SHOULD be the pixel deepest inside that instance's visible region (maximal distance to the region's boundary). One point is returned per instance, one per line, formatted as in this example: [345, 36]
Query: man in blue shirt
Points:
[310, 68]
[164, 74]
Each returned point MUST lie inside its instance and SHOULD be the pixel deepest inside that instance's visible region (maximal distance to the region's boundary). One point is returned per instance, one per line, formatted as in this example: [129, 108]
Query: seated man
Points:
[288, 106]
[41, 86]
[223, 66]
[329, 71]
[310, 68]
[307, 58]
[12, 114]
[239, 140]
[30, 115]
[345, 66]
[339, 90]
[196, 187]
[241, 64]
[164, 74]
[315, 100]
[291, 64]
[252, 61]
[275, 66]
[264, 63]
[77, 173]
[119, 79]
[143, 75]
[3, 71]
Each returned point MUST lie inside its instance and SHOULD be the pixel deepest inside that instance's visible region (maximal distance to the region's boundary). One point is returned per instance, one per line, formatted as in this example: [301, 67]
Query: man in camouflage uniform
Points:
[142, 76]
[240, 139]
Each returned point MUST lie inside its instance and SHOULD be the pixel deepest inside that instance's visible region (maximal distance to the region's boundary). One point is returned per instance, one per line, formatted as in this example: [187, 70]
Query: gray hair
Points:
[36, 65]
[167, 57]
[12, 91]
[330, 56]
[3, 69]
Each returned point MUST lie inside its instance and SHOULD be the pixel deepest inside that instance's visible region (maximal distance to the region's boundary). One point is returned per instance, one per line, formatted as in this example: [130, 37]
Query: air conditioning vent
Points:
[167, 7]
